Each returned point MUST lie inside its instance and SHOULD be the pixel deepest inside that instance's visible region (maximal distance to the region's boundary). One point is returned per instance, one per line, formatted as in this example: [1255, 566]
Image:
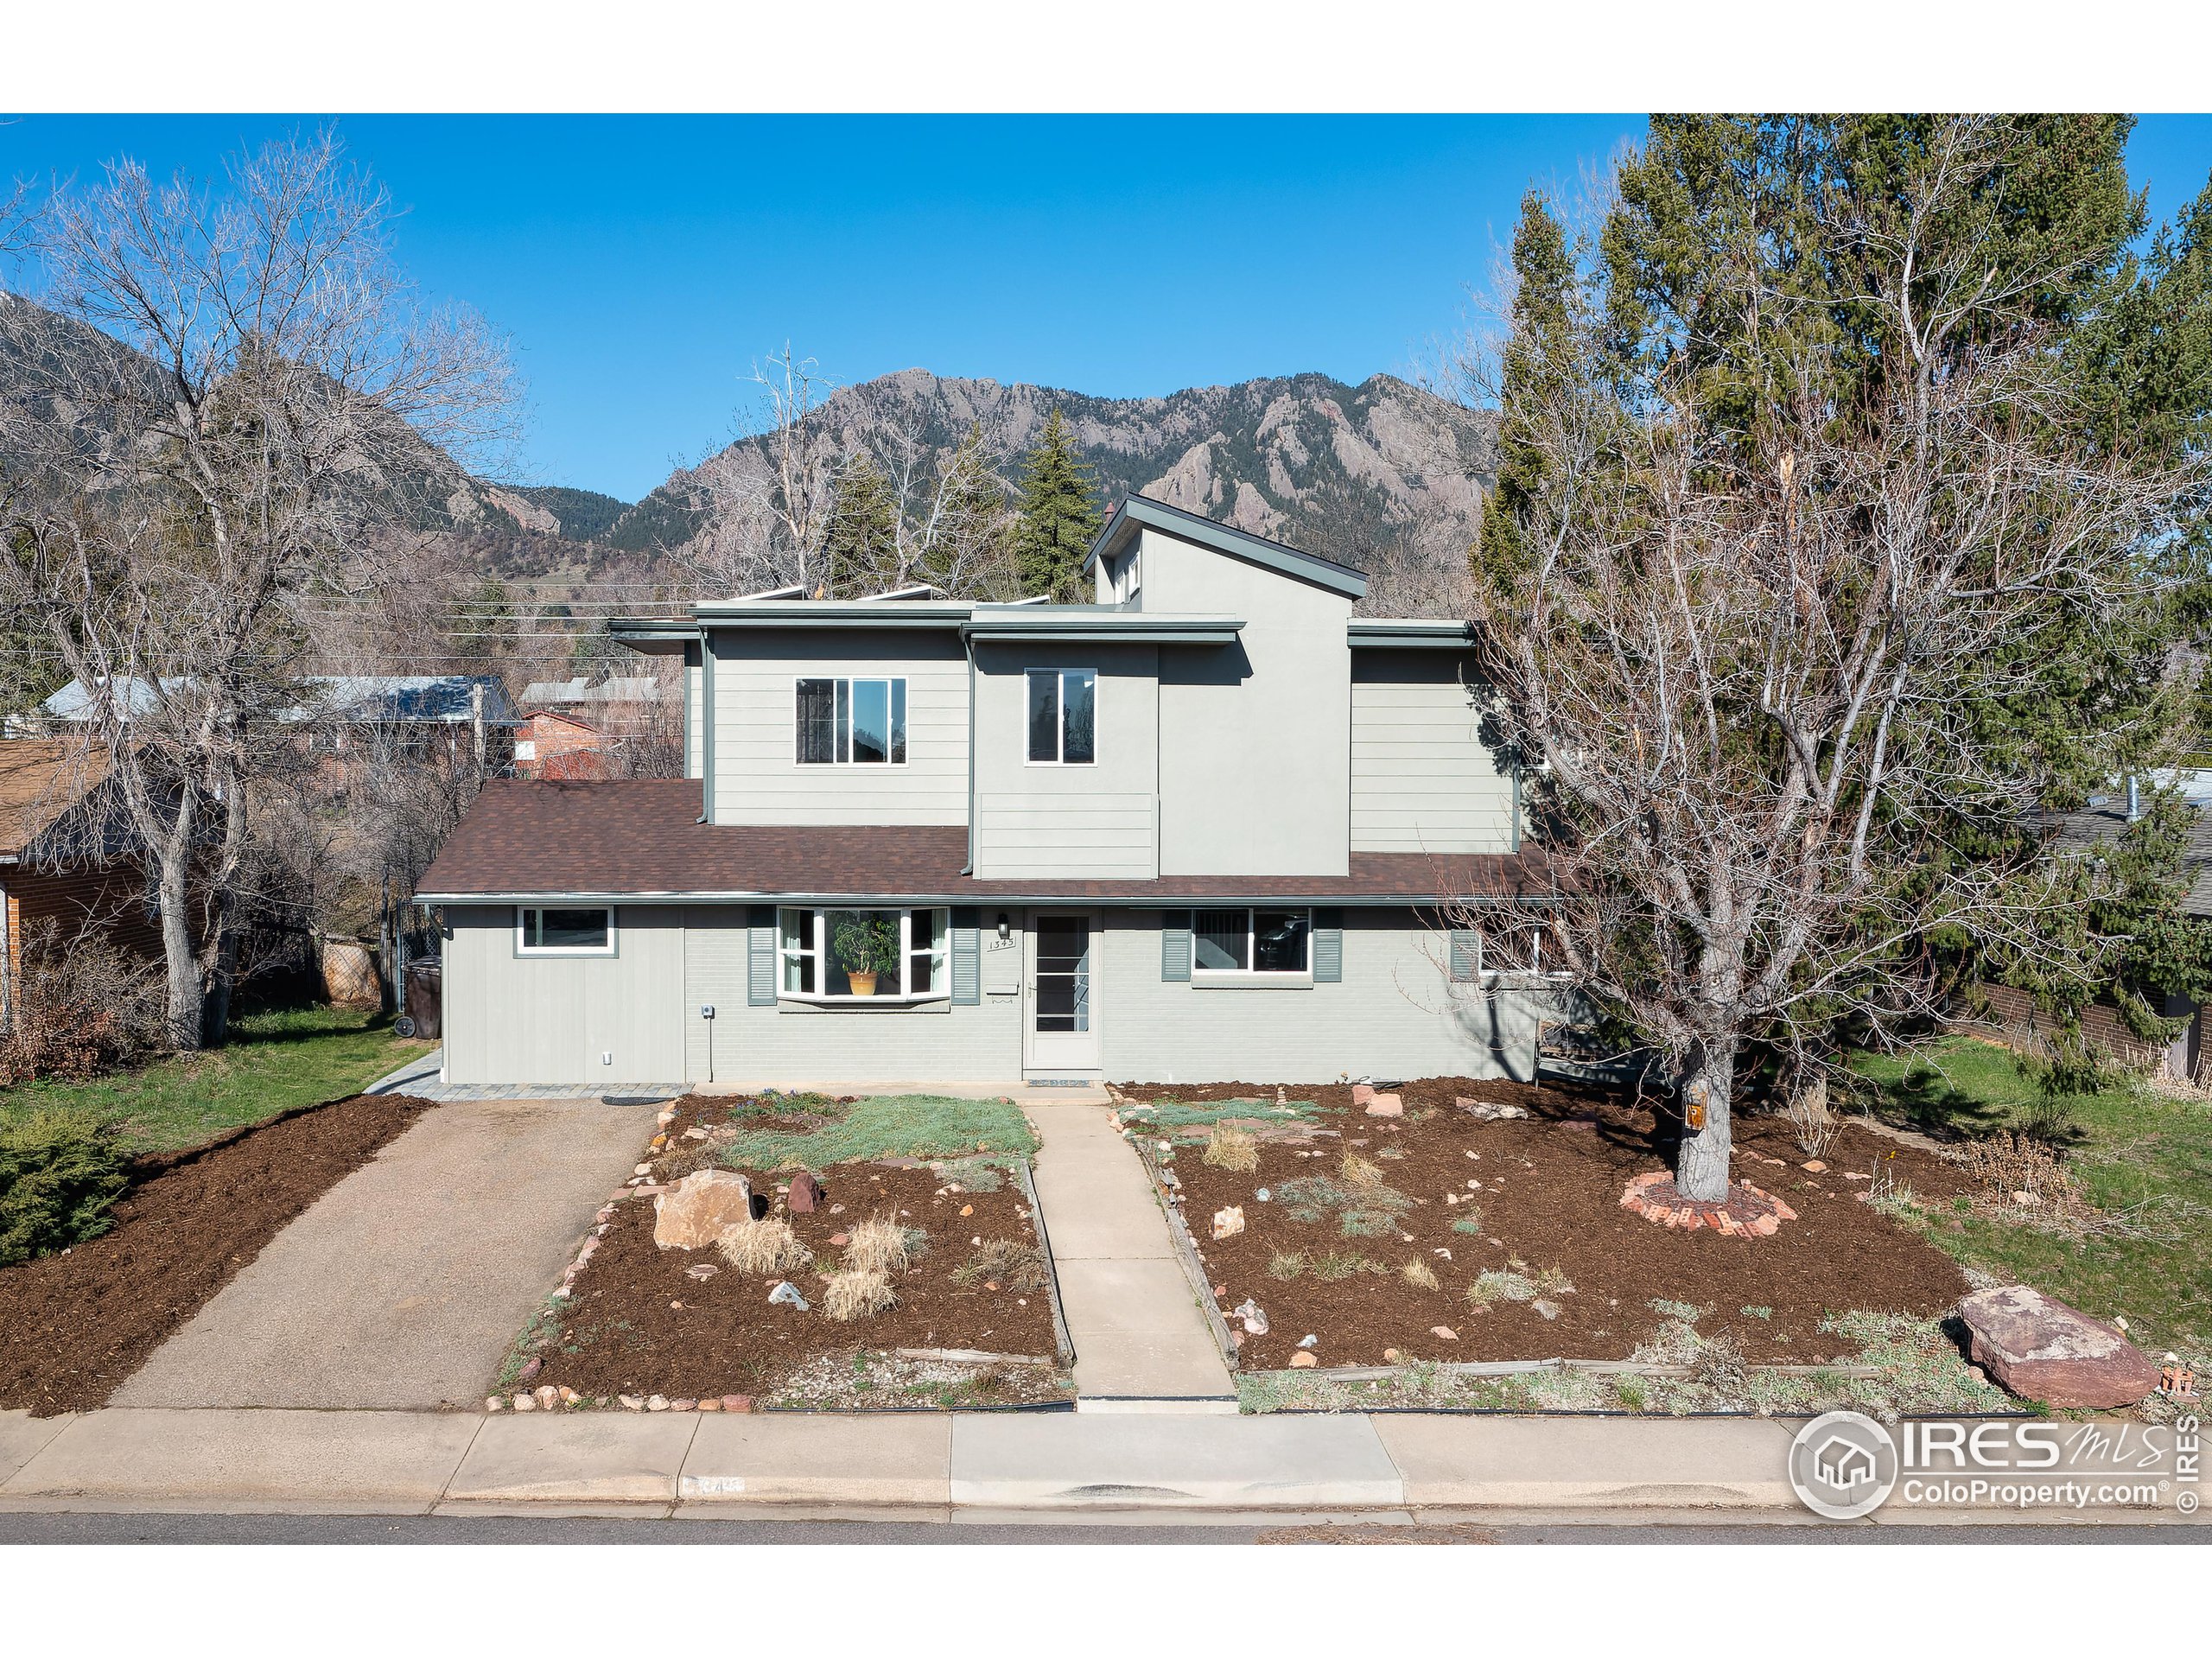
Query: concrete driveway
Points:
[405, 1283]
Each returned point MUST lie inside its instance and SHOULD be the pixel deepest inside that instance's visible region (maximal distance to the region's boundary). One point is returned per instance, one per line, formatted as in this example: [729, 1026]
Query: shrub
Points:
[1006, 1262]
[82, 1008]
[763, 1246]
[60, 1173]
[1471, 1220]
[857, 1294]
[1231, 1147]
[1811, 1119]
[879, 1245]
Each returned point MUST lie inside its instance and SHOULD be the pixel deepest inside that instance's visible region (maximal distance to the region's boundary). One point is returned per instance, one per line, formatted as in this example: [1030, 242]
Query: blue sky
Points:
[640, 266]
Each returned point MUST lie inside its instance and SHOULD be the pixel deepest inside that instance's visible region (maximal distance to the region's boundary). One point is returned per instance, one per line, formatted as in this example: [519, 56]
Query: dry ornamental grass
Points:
[858, 1293]
[763, 1246]
[879, 1245]
[1231, 1147]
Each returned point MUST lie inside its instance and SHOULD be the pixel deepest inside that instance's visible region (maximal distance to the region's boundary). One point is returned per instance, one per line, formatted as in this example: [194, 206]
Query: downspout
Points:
[1516, 801]
[968, 644]
[706, 725]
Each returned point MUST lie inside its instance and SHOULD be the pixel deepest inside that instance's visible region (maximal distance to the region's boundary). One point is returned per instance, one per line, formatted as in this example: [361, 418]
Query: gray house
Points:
[1200, 829]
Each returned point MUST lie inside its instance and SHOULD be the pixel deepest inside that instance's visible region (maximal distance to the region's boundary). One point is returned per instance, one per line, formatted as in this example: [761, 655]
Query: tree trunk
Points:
[179, 959]
[1701, 1160]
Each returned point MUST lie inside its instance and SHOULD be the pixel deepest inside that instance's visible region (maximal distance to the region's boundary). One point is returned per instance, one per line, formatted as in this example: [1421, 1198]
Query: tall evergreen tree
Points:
[860, 548]
[1059, 518]
[1545, 295]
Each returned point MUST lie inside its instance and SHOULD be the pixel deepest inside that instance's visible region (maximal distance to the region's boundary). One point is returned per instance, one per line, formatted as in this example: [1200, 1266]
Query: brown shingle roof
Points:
[641, 836]
[40, 779]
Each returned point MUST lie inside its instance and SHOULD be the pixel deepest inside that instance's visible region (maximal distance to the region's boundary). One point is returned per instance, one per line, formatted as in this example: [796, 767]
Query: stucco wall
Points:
[512, 1019]
[758, 778]
[1089, 821]
[1422, 781]
[1255, 738]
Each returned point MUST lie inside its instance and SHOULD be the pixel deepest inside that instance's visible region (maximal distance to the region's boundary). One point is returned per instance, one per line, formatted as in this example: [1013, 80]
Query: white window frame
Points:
[524, 948]
[1059, 712]
[816, 948]
[1248, 975]
[904, 692]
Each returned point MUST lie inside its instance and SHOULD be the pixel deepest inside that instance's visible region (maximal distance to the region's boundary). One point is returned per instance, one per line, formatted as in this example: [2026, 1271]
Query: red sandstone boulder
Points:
[692, 1214]
[2041, 1349]
[805, 1193]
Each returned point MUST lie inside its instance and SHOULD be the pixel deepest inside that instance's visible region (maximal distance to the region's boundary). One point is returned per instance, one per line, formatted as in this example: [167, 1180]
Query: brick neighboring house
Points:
[67, 856]
[559, 747]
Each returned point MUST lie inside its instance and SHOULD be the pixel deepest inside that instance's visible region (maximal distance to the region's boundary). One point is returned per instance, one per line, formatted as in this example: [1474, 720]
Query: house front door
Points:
[1063, 1029]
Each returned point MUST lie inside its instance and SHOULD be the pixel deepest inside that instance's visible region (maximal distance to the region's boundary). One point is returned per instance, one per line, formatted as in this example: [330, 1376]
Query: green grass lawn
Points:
[273, 1063]
[2144, 1158]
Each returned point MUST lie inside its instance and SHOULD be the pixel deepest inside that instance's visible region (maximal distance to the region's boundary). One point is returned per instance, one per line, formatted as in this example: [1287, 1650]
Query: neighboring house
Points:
[68, 859]
[2104, 819]
[560, 747]
[447, 716]
[1197, 831]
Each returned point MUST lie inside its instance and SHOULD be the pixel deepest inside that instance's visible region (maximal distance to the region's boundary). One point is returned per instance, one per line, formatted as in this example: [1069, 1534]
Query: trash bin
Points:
[420, 1015]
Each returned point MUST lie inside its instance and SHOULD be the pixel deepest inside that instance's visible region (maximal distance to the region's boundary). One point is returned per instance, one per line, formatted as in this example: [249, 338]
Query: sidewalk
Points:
[1140, 1340]
[972, 1467]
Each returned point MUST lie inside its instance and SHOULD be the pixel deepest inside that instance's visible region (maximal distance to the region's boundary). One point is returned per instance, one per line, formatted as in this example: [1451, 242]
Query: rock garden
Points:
[802, 1252]
[1455, 1242]
[123, 1251]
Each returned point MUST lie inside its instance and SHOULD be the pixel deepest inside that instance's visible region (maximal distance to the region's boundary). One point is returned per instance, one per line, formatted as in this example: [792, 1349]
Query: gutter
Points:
[912, 897]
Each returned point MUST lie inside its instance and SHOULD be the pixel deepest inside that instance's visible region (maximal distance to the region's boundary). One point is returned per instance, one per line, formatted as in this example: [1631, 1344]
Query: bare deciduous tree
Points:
[234, 391]
[1741, 669]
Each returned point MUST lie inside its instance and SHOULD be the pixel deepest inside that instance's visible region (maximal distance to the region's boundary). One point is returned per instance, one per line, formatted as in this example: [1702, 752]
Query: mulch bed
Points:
[1551, 1198]
[637, 1324]
[74, 1325]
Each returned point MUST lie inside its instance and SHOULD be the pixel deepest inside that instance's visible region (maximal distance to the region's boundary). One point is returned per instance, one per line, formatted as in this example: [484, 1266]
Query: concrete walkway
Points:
[975, 1466]
[1140, 1339]
[403, 1285]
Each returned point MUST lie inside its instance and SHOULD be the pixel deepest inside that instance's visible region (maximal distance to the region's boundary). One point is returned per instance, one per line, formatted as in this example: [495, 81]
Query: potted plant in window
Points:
[866, 946]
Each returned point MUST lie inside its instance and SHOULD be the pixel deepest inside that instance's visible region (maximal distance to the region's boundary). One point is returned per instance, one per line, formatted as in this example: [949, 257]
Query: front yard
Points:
[274, 1063]
[911, 1275]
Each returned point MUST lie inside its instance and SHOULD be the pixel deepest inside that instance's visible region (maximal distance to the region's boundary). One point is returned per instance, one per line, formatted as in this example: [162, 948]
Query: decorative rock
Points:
[1489, 1110]
[632, 1401]
[1813, 1166]
[1262, 1195]
[967, 1208]
[693, 1213]
[1444, 1332]
[786, 1293]
[841, 1240]
[683, 1405]
[737, 1402]
[1361, 1093]
[1545, 1308]
[1309, 1340]
[547, 1397]
[524, 1402]
[1249, 1312]
[805, 1194]
[643, 1169]
[1301, 1359]
[530, 1367]
[2041, 1349]
[701, 1271]
[571, 1397]
[1390, 1356]
[710, 1405]
[1227, 1223]
[1387, 1106]
[495, 1402]
[657, 1402]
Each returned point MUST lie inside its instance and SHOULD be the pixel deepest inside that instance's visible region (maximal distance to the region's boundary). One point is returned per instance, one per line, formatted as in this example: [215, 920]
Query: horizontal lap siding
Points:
[966, 1043]
[1392, 1015]
[1110, 836]
[758, 778]
[1421, 780]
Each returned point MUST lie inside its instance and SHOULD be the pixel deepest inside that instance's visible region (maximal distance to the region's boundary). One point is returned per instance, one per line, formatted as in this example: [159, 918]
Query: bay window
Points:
[852, 722]
[855, 955]
[1252, 941]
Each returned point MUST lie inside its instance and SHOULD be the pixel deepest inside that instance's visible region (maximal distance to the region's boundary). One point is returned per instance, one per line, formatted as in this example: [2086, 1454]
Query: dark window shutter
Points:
[1466, 955]
[1175, 947]
[967, 955]
[1328, 946]
[760, 963]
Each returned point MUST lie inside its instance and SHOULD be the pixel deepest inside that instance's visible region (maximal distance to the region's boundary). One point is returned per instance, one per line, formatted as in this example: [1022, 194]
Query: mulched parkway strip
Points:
[74, 1326]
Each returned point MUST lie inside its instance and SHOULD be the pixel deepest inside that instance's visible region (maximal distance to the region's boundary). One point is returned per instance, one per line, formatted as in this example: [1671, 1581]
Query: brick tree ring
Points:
[1746, 1213]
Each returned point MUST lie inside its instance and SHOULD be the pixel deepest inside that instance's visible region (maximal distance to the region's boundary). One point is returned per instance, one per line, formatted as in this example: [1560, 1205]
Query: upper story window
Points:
[542, 930]
[1062, 716]
[852, 722]
[1252, 941]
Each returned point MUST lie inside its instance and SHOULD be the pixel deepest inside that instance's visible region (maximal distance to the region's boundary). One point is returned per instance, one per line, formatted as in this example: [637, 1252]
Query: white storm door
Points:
[1063, 1001]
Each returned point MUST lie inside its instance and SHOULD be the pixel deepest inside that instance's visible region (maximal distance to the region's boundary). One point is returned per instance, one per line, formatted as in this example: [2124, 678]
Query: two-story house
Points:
[1200, 829]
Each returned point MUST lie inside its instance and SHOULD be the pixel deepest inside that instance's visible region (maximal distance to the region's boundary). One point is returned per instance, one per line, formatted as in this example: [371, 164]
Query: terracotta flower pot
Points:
[862, 984]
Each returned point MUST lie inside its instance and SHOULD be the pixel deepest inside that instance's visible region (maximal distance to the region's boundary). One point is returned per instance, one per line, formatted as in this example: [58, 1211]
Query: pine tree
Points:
[1059, 517]
[859, 549]
[1544, 296]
